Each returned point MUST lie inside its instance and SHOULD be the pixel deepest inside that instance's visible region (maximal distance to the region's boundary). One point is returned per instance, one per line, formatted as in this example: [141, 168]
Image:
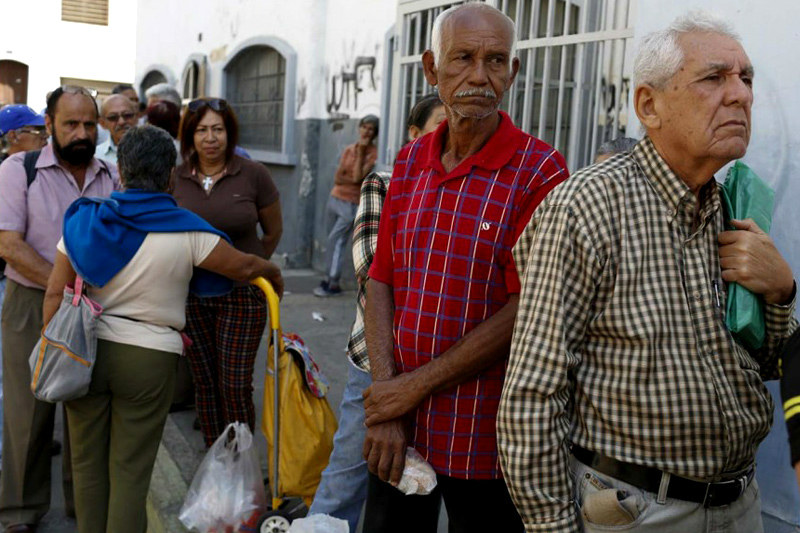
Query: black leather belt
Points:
[715, 494]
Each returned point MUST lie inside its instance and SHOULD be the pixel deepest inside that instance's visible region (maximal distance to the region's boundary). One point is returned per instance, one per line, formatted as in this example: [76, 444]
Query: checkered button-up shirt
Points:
[365, 238]
[444, 245]
[620, 343]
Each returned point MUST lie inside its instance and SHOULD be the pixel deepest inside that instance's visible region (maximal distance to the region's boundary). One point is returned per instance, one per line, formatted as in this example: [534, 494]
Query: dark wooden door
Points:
[13, 82]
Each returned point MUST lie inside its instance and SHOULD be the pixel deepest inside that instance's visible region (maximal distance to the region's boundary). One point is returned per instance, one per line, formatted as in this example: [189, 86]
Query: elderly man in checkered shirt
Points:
[442, 295]
[620, 347]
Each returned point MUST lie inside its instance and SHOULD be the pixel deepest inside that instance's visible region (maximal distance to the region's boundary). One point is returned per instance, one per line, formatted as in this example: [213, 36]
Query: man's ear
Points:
[644, 102]
[429, 68]
[48, 124]
[514, 71]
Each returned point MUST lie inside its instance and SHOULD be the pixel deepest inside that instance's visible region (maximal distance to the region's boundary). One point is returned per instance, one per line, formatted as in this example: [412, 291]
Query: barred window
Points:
[255, 81]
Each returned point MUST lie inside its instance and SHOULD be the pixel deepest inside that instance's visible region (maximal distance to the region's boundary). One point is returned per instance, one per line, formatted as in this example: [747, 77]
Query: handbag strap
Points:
[76, 298]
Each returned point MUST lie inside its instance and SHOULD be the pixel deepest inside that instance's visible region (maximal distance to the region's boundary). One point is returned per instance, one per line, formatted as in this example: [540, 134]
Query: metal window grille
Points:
[86, 11]
[255, 89]
[572, 86]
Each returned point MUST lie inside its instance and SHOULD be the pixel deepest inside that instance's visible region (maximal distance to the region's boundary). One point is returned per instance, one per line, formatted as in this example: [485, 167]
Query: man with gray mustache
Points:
[442, 294]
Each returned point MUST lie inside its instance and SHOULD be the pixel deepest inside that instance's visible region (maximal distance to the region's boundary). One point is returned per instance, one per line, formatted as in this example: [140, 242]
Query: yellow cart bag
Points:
[300, 414]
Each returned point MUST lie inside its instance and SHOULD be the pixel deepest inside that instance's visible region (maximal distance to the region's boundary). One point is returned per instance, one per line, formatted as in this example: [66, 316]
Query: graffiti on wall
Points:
[347, 80]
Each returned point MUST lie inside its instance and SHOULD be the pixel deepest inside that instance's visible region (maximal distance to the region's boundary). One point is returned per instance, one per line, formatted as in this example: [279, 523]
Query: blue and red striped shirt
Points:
[444, 245]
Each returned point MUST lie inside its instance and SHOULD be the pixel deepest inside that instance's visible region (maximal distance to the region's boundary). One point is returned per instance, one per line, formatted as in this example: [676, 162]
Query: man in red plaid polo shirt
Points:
[443, 291]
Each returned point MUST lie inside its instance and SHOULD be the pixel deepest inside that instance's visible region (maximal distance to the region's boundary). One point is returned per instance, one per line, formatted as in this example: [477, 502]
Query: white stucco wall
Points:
[326, 35]
[33, 33]
[771, 37]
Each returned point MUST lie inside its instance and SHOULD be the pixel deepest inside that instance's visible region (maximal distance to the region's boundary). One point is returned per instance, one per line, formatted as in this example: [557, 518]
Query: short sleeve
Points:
[202, 244]
[553, 171]
[13, 195]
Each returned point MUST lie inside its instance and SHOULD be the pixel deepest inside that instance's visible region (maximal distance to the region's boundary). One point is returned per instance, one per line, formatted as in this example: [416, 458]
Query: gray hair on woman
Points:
[659, 56]
[145, 157]
[438, 23]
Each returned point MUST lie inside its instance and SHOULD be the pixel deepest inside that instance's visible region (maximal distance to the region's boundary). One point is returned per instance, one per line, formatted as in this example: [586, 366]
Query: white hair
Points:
[164, 91]
[659, 56]
[436, 33]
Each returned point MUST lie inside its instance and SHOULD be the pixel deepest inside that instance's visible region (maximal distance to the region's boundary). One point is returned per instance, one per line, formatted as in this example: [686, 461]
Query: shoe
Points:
[21, 528]
[325, 289]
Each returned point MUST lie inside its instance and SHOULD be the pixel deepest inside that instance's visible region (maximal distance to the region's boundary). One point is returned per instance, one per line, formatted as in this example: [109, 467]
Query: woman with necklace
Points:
[235, 196]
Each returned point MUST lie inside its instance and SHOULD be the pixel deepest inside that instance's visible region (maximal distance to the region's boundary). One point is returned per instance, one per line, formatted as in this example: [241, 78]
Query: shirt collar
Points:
[492, 156]
[47, 158]
[677, 196]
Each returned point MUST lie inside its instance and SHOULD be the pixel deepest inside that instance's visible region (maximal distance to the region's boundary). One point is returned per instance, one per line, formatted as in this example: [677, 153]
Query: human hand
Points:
[273, 274]
[749, 257]
[385, 450]
[391, 398]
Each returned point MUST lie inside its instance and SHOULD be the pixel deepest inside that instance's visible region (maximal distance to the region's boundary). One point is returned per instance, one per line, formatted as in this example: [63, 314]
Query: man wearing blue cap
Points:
[21, 129]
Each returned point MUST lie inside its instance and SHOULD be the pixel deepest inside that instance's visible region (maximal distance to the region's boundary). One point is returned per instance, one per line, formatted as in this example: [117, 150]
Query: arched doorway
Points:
[152, 78]
[13, 82]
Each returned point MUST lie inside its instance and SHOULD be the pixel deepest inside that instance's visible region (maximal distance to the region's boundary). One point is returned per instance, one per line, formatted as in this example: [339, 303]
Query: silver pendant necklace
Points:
[207, 183]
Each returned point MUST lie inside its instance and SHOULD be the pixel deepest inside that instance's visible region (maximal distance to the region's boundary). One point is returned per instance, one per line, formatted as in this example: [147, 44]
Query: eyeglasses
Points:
[217, 104]
[33, 131]
[127, 116]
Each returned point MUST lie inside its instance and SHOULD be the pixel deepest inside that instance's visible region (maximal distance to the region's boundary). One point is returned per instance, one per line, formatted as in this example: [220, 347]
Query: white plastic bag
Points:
[418, 476]
[227, 488]
[319, 523]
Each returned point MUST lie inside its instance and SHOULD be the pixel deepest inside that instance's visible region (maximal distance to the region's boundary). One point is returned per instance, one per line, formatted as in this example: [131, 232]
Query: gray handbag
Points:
[62, 361]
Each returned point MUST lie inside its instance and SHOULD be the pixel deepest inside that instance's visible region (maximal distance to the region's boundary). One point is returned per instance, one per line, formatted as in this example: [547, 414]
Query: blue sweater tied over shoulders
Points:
[102, 235]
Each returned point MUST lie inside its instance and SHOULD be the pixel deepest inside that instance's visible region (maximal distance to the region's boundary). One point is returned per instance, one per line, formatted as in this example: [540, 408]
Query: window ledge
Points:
[275, 158]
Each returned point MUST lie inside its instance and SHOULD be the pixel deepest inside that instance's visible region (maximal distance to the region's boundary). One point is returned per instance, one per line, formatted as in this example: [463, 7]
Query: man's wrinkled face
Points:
[74, 129]
[705, 107]
[119, 115]
[476, 67]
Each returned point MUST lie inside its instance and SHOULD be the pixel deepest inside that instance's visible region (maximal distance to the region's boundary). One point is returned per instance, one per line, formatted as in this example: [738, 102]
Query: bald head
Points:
[468, 14]
[118, 114]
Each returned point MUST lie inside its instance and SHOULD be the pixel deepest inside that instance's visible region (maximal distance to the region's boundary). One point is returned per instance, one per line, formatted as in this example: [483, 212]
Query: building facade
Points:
[48, 43]
[299, 76]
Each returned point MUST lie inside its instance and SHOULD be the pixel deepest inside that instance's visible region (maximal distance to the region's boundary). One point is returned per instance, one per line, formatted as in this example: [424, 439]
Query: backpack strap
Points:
[30, 165]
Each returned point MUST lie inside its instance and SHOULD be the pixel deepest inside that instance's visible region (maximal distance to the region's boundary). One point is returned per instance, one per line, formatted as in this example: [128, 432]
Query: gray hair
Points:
[659, 56]
[436, 32]
[617, 146]
[164, 91]
[145, 157]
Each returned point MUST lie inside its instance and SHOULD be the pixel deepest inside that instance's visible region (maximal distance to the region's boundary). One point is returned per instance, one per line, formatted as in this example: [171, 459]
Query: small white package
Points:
[418, 475]
[319, 523]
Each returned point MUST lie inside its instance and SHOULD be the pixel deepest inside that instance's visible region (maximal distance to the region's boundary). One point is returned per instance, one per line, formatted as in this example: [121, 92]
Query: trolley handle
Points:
[273, 301]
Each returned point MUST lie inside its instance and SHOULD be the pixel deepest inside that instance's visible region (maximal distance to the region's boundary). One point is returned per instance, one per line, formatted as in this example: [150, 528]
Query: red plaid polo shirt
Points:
[444, 245]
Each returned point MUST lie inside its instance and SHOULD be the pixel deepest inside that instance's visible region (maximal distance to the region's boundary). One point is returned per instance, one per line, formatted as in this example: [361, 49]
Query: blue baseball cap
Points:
[13, 117]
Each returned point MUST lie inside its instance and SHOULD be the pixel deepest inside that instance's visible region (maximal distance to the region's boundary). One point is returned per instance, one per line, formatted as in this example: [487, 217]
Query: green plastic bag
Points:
[745, 195]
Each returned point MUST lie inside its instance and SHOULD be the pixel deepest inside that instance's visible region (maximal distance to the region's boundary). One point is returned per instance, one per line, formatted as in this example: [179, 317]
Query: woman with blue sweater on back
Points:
[140, 254]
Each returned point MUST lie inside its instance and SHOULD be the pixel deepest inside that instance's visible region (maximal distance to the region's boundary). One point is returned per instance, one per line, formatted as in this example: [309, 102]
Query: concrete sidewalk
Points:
[182, 448]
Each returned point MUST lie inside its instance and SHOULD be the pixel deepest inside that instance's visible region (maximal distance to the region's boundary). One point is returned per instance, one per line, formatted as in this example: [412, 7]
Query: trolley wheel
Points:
[274, 522]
